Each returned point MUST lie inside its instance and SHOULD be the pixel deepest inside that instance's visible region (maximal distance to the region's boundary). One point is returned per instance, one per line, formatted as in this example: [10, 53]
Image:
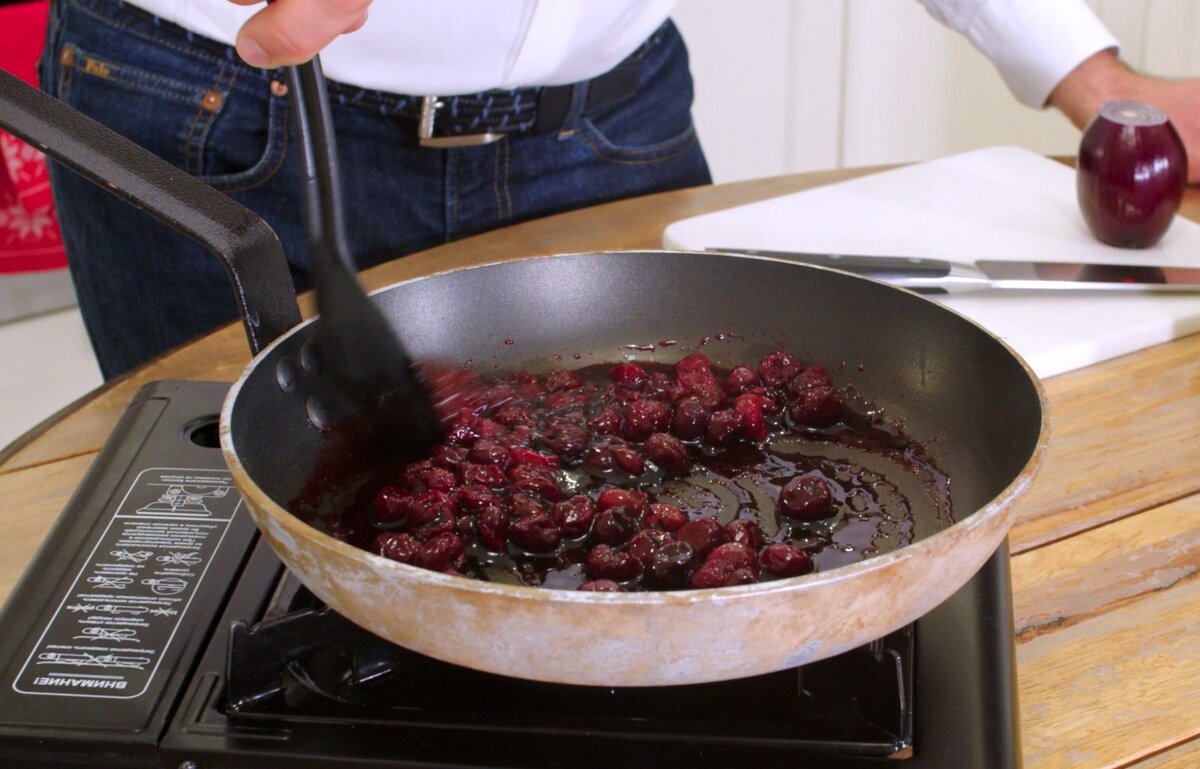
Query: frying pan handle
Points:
[248, 247]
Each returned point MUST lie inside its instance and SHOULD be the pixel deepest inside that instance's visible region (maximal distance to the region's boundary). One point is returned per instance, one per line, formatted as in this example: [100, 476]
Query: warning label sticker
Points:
[126, 604]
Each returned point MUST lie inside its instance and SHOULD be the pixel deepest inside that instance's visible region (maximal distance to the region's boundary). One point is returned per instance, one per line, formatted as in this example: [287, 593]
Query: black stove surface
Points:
[305, 664]
[310, 689]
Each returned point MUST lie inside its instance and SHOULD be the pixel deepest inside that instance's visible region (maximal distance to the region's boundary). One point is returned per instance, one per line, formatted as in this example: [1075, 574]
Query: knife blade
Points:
[938, 276]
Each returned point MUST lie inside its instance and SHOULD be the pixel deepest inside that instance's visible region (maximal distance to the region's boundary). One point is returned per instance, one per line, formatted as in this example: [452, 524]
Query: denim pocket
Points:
[197, 121]
[638, 148]
[655, 124]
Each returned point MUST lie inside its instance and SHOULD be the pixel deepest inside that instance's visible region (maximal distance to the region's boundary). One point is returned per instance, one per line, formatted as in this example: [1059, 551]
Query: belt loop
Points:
[579, 98]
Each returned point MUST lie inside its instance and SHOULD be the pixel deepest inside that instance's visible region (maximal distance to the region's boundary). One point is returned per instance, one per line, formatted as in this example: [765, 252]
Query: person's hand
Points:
[289, 32]
[1102, 77]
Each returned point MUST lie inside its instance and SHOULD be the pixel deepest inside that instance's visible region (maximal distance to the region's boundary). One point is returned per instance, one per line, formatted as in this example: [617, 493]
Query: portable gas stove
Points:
[154, 630]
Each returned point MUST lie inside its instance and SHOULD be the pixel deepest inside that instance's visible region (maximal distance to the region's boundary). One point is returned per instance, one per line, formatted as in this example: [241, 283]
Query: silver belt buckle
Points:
[429, 107]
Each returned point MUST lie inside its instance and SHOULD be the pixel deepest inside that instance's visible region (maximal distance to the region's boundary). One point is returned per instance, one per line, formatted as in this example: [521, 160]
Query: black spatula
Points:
[364, 371]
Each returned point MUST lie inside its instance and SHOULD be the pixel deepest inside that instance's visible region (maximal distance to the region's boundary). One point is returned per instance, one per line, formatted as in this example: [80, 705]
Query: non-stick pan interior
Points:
[956, 388]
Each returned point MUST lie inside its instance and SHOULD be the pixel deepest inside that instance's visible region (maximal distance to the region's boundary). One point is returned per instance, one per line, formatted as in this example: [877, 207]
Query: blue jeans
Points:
[144, 289]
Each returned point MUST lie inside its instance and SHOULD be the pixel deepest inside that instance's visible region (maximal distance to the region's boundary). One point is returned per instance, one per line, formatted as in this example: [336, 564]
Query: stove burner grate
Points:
[303, 663]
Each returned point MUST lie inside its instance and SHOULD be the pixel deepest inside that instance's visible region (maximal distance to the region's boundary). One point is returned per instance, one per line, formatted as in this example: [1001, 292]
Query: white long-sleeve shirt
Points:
[448, 47]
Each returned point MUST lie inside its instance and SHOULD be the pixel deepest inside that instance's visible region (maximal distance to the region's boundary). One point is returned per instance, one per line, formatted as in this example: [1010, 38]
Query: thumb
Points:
[289, 32]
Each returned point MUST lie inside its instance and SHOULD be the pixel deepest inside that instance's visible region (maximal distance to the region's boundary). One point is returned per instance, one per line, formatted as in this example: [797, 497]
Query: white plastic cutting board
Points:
[995, 203]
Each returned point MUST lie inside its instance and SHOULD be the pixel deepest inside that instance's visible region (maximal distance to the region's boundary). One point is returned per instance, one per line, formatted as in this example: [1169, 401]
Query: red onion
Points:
[1130, 175]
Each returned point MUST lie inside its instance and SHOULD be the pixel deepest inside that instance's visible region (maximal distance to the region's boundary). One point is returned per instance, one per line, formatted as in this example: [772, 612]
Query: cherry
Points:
[661, 387]
[772, 399]
[599, 458]
[628, 459]
[490, 428]
[694, 373]
[703, 534]
[510, 415]
[492, 527]
[523, 456]
[694, 369]
[806, 497]
[644, 544]
[559, 379]
[606, 421]
[744, 531]
[667, 451]
[740, 379]
[519, 437]
[724, 427]
[615, 525]
[475, 497]
[522, 505]
[446, 521]
[411, 477]
[778, 367]
[645, 417]
[535, 479]
[536, 533]
[449, 457]
[627, 375]
[709, 393]
[614, 497]
[719, 573]
[660, 515]
[489, 476]
[445, 551]
[740, 556]
[429, 505]
[574, 516]
[600, 586]
[781, 559]
[754, 424]
[462, 429]
[668, 566]
[565, 439]
[816, 406]
[489, 452]
[397, 546]
[603, 562]
[438, 479]
[811, 376]
[690, 419]
[391, 505]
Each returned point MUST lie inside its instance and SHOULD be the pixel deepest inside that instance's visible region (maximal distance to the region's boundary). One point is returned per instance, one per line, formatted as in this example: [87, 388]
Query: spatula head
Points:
[366, 374]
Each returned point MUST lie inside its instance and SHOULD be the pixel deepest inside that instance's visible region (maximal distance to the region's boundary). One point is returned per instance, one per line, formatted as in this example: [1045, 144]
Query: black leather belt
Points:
[482, 118]
[463, 121]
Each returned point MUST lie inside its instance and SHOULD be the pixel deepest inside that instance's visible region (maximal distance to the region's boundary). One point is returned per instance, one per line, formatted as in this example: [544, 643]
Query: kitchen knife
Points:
[938, 276]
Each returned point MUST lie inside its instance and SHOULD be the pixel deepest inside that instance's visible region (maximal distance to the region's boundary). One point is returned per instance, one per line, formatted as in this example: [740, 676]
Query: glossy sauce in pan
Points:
[886, 494]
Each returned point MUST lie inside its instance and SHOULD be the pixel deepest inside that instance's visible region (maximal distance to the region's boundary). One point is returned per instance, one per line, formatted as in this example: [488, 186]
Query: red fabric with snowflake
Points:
[29, 237]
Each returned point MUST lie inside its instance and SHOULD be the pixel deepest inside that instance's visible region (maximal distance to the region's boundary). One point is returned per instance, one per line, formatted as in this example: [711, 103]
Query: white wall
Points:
[795, 85]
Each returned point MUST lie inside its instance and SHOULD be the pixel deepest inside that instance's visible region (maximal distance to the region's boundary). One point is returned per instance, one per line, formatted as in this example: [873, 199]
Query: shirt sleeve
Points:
[1033, 43]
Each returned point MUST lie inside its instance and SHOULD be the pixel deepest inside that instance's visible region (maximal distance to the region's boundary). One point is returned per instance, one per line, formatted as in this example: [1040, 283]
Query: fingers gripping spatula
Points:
[363, 369]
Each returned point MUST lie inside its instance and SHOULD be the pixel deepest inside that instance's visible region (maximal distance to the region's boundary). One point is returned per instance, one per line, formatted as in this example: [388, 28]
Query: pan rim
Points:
[1000, 503]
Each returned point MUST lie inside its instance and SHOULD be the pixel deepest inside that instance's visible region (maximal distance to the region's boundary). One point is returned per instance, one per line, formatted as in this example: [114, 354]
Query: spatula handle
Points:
[320, 175]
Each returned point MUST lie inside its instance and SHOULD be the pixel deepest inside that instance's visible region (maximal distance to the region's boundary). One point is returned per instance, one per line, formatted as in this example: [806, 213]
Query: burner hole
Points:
[205, 432]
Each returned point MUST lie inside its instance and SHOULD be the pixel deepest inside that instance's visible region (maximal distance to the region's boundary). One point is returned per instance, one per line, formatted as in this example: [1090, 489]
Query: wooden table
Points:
[1106, 551]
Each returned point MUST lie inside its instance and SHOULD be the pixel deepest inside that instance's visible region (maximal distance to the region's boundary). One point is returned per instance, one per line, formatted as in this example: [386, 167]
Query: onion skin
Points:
[1130, 175]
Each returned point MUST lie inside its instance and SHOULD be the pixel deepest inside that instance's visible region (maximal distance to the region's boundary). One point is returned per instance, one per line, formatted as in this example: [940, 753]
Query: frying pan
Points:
[959, 390]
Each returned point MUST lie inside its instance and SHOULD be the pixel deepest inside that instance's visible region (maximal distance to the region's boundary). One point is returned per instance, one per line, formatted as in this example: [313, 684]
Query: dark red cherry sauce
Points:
[639, 476]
